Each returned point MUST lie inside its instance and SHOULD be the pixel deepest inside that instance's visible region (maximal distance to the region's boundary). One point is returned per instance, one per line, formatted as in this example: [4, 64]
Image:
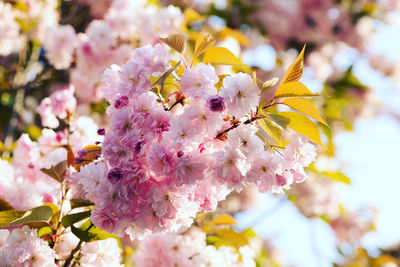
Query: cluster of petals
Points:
[59, 104]
[161, 166]
[22, 184]
[189, 250]
[107, 40]
[22, 247]
[10, 39]
[60, 45]
[303, 22]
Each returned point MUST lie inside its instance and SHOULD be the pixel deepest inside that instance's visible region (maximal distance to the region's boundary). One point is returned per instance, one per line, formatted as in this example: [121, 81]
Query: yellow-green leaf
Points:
[232, 237]
[191, 15]
[293, 89]
[203, 42]
[224, 219]
[240, 37]
[295, 70]
[302, 125]
[6, 217]
[269, 84]
[221, 78]
[305, 107]
[272, 129]
[46, 230]
[222, 56]
[38, 214]
[337, 176]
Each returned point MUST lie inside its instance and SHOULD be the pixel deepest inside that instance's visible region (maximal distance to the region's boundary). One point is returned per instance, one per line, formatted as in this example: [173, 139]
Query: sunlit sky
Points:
[369, 156]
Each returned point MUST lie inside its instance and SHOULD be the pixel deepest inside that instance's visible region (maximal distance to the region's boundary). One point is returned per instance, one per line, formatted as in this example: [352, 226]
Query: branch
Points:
[73, 252]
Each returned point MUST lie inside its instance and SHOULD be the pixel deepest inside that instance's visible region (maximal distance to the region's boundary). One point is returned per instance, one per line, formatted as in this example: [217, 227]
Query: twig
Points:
[73, 252]
[237, 124]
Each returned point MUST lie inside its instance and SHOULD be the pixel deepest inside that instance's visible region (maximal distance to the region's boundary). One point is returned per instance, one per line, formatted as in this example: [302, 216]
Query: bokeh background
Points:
[352, 58]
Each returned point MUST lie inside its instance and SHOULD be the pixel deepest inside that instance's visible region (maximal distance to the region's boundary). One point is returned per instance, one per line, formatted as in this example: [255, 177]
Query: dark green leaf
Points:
[70, 219]
[78, 202]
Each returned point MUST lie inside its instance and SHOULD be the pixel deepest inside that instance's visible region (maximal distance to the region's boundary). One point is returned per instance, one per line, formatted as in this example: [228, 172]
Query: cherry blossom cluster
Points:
[189, 250]
[22, 247]
[29, 21]
[311, 21]
[59, 105]
[163, 162]
[22, 184]
[107, 41]
[10, 39]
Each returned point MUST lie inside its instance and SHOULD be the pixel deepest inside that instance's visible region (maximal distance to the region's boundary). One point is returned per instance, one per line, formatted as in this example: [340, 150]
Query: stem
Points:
[235, 125]
[73, 252]
[174, 104]
[271, 103]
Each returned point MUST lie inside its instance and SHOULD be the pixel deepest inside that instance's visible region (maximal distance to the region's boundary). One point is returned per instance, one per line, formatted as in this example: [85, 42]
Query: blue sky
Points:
[369, 156]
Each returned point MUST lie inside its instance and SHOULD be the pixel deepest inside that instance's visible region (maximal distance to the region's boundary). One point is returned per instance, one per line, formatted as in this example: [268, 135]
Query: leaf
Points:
[78, 203]
[180, 70]
[53, 207]
[57, 171]
[305, 107]
[208, 227]
[4, 205]
[272, 129]
[6, 217]
[38, 214]
[21, 6]
[221, 78]
[70, 219]
[224, 219]
[161, 81]
[337, 176]
[269, 84]
[278, 119]
[88, 232]
[293, 89]
[203, 42]
[258, 82]
[221, 56]
[176, 41]
[191, 15]
[212, 239]
[34, 132]
[249, 233]
[232, 237]
[45, 231]
[240, 37]
[302, 125]
[93, 152]
[295, 70]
